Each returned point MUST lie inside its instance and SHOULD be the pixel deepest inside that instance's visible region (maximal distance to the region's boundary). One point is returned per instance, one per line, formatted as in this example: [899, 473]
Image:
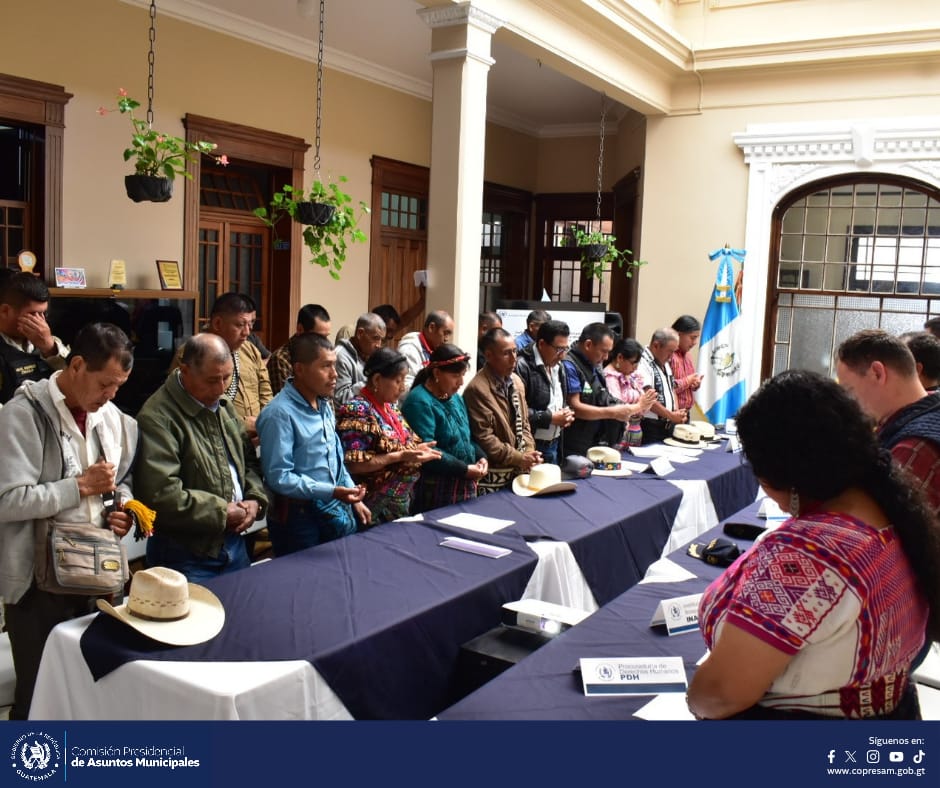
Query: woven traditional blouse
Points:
[682, 367]
[839, 595]
[365, 434]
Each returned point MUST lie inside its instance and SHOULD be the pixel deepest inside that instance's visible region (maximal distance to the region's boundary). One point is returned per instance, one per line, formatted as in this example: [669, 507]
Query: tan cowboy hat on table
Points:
[541, 480]
[163, 606]
[607, 462]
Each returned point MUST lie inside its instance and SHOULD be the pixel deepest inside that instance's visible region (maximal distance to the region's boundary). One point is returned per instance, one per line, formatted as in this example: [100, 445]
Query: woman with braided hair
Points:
[822, 618]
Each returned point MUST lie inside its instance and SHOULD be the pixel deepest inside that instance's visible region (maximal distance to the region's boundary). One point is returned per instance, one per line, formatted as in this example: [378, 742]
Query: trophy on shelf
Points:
[27, 261]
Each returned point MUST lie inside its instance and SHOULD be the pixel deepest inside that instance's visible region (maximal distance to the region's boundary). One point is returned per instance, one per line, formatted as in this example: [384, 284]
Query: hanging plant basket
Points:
[148, 188]
[315, 213]
[593, 252]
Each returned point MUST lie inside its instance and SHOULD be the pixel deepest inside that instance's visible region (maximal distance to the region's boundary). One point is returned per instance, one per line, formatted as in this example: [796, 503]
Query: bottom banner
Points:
[467, 753]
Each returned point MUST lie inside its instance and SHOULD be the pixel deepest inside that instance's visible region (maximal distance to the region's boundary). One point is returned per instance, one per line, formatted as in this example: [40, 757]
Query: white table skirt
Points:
[289, 690]
[156, 690]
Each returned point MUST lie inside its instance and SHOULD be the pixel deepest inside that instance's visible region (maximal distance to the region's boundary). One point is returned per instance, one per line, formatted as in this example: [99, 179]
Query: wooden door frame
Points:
[260, 147]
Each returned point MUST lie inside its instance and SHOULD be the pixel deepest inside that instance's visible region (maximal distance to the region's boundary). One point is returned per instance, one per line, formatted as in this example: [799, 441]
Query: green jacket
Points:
[182, 468]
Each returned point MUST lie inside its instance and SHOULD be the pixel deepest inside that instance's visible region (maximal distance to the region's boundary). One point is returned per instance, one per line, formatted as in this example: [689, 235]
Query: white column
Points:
[460, 55]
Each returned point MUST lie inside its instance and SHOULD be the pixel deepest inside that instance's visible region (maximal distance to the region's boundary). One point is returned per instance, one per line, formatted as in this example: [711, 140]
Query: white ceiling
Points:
[387, 41]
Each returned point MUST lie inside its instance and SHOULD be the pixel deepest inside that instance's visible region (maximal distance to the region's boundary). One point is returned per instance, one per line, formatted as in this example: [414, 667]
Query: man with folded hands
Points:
[65, 447]
[499, 417]
[197, 467]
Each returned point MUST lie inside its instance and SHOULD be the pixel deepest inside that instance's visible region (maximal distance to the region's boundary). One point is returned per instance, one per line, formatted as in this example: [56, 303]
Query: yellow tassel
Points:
[144, 514]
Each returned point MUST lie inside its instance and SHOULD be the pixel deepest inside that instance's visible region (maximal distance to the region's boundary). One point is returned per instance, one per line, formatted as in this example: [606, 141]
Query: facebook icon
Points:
[832, 756]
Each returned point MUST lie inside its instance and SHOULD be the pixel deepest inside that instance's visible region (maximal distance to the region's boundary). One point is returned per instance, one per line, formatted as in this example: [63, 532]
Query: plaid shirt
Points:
[921, 458]
[279, 368]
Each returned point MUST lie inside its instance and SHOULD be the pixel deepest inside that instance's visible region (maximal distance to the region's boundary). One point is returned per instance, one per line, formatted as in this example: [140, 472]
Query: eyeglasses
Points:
[560, 350]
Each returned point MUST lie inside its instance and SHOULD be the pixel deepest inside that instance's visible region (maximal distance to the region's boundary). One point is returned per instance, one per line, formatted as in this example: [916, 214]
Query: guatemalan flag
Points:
[719, 357]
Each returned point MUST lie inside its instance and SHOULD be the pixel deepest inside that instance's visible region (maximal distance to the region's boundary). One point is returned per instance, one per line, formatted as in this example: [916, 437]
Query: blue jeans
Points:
[309, 523]
[162, 551]
[549, 450]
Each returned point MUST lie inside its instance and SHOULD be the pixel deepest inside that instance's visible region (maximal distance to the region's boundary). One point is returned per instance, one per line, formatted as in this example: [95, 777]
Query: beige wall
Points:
[202, 73]
[695, 178]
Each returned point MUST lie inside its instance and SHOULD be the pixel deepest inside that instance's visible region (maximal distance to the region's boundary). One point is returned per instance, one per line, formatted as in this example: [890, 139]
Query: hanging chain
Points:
[150, 61]
[600, 156]
[316, 157]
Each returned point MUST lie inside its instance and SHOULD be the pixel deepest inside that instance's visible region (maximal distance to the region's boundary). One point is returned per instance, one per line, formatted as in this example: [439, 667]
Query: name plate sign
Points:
[633, 675]
[661, 466]
[679, 614]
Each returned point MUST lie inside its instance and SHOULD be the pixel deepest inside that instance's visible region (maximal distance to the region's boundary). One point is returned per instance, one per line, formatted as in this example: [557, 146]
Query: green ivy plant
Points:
[155, 154]
[327, 242]
[593, 260]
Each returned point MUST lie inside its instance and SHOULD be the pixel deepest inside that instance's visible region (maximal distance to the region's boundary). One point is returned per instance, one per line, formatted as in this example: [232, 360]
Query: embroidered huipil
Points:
[839, 595]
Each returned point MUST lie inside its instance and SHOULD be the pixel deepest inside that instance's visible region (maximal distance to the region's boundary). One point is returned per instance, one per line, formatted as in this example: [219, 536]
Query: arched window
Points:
[849, 253]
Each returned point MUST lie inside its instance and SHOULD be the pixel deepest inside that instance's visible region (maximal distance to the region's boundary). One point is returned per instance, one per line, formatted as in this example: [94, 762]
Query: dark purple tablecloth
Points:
[545, 684]
[381, 615]
[617, 527]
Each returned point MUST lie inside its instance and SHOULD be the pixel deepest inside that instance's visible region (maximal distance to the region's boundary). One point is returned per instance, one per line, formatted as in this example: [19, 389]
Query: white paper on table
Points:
[477, 548]
[636, 467]
[414, 518]
[673, 453]
[647, 451]
[668, 706]
[665, 570]
[476, 522]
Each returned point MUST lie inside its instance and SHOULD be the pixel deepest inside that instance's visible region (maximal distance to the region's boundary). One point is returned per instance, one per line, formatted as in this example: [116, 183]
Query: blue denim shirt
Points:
[301, 453]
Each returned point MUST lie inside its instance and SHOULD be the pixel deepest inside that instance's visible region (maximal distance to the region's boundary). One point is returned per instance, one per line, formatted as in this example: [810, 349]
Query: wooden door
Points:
[399, 238]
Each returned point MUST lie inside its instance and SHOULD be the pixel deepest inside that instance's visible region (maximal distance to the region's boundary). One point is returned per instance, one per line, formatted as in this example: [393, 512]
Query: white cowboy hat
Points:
[685, 436]
[607, 461]
[706, 430]
[543, 479]
[164, 607]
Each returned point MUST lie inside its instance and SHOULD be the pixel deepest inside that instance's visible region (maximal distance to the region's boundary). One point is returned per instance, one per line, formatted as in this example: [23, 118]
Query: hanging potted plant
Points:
[598, 250]
[158, 158]
[330, 218]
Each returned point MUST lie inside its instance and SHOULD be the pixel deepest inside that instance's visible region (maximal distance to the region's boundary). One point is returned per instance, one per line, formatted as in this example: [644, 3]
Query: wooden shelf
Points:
[106, 292]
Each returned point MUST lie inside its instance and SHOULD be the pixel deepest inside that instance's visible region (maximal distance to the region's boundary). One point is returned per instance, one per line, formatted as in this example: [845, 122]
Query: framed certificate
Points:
[117, 275]
[170, 278]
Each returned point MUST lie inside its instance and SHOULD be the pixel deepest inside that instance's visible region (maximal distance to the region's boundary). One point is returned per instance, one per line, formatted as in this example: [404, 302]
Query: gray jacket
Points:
[350, 372]
[34, 481]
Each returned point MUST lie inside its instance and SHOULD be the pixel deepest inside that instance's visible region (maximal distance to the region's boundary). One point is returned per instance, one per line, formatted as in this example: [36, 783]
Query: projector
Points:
[545, 618]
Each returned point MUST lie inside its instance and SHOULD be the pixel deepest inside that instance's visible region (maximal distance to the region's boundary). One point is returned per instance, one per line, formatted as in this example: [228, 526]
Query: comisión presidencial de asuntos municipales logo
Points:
[35, 756]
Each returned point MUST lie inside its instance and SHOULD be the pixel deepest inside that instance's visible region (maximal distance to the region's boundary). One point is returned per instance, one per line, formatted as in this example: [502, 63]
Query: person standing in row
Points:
[313, 319]
[687, 380]
[417, 346]
[656, 374]
[499, 417]
[599, 417]
[437, 412]
[28, 350]
[302, 457]
[625, 384]
[546, 388]
[382, 452]
[66, 445]
[197, 467]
